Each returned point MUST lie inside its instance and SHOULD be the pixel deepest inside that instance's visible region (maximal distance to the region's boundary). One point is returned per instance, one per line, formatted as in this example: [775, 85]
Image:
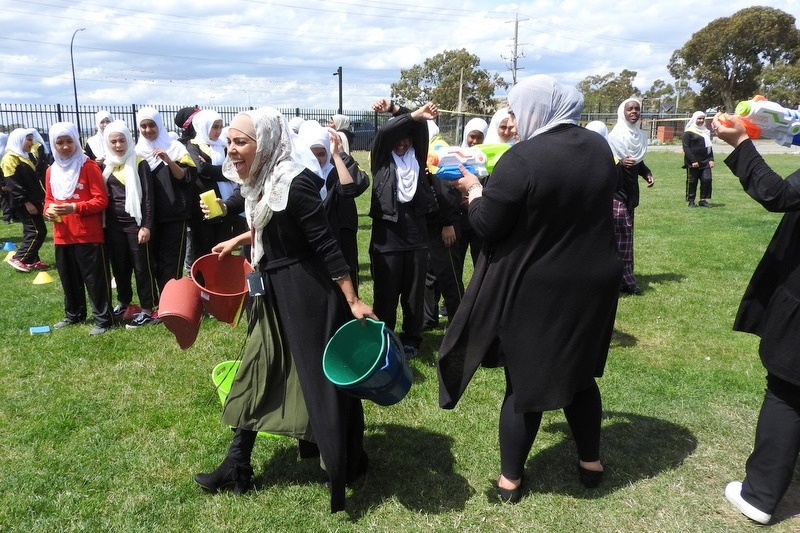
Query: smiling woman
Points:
[280, 387]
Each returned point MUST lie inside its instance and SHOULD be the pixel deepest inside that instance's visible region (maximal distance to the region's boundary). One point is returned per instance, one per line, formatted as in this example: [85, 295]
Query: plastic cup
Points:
[210, 199]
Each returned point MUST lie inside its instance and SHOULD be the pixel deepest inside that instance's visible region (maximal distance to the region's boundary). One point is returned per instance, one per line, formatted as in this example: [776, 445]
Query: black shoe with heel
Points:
[239, 476]
[509, 495]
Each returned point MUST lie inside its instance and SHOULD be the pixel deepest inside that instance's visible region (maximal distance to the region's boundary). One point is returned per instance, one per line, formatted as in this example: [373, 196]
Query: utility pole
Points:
[339, 73]
[515, 55]
[74, 84]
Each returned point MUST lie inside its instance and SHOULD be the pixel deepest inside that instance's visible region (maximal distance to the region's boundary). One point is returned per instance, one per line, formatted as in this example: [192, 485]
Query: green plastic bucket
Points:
[367, 361]
[222, 376]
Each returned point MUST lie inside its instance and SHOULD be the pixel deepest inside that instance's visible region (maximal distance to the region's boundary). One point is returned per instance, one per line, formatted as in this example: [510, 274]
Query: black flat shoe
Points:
[239, 476]
[590, 478]
[509, 495]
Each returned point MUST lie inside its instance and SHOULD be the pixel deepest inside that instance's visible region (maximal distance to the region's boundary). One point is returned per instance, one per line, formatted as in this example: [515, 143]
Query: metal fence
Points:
[364, 122]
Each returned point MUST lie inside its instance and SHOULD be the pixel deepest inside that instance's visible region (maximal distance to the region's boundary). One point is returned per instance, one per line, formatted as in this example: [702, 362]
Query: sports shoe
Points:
[410, 351]
[692, 204]
[143, 319]
[63, 323]
[733, 493]
[703, 203]
[19, 265]
[38, 265]
[97, 330]
[119, 310]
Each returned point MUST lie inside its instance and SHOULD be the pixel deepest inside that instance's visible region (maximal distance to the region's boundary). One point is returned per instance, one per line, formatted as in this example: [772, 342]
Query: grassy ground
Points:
[105, 433]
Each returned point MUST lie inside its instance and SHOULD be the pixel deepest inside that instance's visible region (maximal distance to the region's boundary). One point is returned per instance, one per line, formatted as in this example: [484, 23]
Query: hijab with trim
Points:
[202, 122]
[125, 169]
[702, 131]
[65, 171]
[474, 124]
[146, 148]
[540, 104]
[277, 162]
[15, 154]
[96, 142]
[626, 139]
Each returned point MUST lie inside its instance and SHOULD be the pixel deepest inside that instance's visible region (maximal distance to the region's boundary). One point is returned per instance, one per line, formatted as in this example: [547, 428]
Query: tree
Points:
[781, 83]
[604, 93]
[726, 58]
[438, 80]
[657, 96]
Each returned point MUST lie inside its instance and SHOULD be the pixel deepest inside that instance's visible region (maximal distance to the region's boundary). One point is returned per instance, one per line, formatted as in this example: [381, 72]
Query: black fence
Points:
[364, 123]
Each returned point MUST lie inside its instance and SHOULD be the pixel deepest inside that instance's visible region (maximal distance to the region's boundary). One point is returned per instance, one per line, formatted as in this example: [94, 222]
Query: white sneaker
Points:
[733, 492]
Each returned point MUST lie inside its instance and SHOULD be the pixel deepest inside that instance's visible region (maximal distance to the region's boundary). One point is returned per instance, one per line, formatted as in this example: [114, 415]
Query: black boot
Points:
[229, 473]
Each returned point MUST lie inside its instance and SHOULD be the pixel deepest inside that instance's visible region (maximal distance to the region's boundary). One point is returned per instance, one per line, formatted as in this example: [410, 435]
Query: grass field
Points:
[104, 434]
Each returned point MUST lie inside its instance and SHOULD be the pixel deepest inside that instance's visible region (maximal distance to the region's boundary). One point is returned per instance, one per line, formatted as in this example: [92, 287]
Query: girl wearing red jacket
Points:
[75, 198]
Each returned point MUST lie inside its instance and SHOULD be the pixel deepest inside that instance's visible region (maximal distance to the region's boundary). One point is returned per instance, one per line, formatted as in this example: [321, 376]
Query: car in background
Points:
[363, 134]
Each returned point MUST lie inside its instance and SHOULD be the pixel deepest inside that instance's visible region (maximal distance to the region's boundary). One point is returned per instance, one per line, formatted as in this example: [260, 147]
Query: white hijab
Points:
[598, 126]
[626, 139]
[145, 148]
[65, 171]
[125, 169]
[276, 164]
[202, 122]
[96, 141]
[702, 131]
[3, 141]
[540, 104]
[493, 133]
[315, 135]
[475, 124]
[407, 174]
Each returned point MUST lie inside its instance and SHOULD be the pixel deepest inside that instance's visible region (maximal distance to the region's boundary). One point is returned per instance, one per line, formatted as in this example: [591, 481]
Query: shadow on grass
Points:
[789, 506]
[634, 447]
[622, 339]
[412, 465]
[646, 280]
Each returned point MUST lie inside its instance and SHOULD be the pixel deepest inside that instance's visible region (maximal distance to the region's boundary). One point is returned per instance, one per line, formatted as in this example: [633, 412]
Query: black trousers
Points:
[33, 233]
[168, 244]
[769, 468]
[129, 257]
[518, 430]
[693, 175]
[445, 269]
[400, 276]
[85, 265]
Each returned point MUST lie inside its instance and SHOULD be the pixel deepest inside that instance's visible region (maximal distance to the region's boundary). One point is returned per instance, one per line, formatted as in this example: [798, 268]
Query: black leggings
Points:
[518, 430]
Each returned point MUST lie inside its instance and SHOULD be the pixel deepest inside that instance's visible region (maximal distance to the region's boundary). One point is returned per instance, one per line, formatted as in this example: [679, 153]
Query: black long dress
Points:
[543, 297]
[301, 258]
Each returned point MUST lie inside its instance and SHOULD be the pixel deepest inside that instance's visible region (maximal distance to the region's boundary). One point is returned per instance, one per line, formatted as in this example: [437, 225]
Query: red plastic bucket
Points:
[181, 310]
[222, 284]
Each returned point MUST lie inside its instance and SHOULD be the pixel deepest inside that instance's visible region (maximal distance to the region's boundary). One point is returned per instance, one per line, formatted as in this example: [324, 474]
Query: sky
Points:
[285, 53]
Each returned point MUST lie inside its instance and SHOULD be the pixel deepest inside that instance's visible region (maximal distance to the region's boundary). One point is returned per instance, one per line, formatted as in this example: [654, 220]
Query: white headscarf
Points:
[125, 169]
[433, 129]
[65, 171]
[3, 141]
[493, 133]
[702, 131]
[598, 126]
[407, 174]
[315, 135]
[202, 122]
[475, 124]
[15, 152]
[145, 148]
[276, 164]
[96, 141]
[540, 104]
[295, 123]
[626, 139]
[340, 122]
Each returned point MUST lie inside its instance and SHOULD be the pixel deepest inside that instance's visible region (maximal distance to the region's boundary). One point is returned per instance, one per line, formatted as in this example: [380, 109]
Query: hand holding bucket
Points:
[366, 360]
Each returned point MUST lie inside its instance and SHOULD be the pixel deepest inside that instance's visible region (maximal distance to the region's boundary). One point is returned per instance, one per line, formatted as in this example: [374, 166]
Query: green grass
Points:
[105, 433]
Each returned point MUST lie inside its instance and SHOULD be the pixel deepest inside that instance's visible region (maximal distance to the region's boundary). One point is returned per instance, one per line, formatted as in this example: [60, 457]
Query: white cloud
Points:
[283, 53]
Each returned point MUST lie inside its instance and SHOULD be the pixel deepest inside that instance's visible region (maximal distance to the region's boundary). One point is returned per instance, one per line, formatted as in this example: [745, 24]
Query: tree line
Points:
[754, 51]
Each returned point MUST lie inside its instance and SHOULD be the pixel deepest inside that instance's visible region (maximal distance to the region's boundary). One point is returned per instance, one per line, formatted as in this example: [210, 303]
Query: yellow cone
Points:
[42, 278]
[9, 256]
